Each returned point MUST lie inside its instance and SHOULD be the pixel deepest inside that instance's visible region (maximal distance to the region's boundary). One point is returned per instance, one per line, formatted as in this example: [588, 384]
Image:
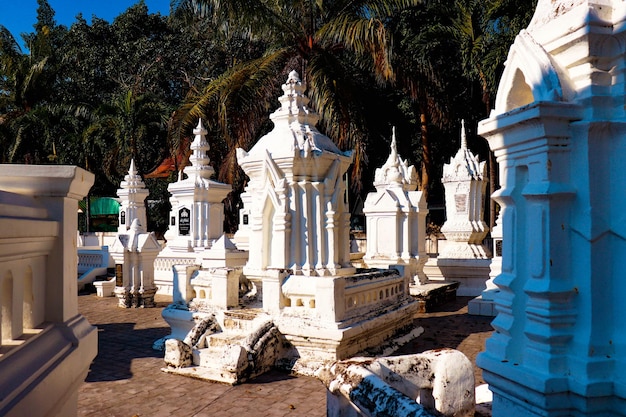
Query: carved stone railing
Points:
[46, 346]
[363, 293]
[92, 262]
[163, 268]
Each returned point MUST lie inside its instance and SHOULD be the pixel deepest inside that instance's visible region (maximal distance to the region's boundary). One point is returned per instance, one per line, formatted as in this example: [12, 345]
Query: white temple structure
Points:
[298, 218]
[462, 256]
[299, 240]
[299, 302]
[134, 253]
[133, 194]
[396, 219]
[558, 132]
[197, 215]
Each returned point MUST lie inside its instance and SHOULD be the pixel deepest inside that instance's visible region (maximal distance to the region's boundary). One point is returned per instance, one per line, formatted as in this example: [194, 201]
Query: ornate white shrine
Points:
[462, 256]
[299, 301]
[558, 132]
[134, 253]
[396, 218]
[298, 218]
[133, 194]
[197, 215]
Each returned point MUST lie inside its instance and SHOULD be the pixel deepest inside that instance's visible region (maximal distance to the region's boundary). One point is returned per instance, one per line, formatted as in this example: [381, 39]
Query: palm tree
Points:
[20, 92]
[334, 45]
[483, 32]
[128, 127]
[427, 75]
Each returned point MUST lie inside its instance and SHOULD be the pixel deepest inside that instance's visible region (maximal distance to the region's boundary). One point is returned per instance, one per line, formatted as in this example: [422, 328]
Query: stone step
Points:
[223, 339]
[209, 366]
[221, 363]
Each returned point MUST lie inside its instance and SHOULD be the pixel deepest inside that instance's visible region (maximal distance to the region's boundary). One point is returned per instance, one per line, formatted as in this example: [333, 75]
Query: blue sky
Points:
[20, 15]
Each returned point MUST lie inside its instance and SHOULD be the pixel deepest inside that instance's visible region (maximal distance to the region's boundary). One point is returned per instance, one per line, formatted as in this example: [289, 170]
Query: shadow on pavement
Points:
[118, 345]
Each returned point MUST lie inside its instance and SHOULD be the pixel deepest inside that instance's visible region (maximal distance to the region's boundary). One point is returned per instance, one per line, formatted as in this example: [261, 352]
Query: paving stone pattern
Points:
[125, 379]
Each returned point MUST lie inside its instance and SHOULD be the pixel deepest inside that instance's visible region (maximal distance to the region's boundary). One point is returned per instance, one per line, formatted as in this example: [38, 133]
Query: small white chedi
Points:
[558, 132]
[396, 218]
[297, 301]
[134, 253]
[298, 218]
[465, 182]
[463, 257]
[197, 215]
[132, 194]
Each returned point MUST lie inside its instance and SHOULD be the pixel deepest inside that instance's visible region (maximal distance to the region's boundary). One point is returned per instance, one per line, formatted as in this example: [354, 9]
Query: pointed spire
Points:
[463, 135]
[464, 164]
[132, 171]
[395, 171]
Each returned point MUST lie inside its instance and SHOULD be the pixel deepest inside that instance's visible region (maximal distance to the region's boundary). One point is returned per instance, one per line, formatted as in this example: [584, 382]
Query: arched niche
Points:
[530, 76]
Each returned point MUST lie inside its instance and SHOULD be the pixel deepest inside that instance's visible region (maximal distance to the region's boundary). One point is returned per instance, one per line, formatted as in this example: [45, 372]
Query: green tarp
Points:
[100, 206]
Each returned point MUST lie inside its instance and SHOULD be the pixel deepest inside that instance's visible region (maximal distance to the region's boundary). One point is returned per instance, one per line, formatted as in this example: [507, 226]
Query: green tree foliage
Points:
[340, 48]
[96, 94]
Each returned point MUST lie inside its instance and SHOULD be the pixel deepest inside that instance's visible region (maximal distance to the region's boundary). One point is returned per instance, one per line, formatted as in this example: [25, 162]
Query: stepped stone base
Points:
[481, 307]
[317, 344]
[433, 294]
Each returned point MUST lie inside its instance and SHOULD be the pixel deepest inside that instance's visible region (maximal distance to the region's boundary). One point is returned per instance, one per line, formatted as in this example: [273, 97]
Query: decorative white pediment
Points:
[530, 75]
[396, 172]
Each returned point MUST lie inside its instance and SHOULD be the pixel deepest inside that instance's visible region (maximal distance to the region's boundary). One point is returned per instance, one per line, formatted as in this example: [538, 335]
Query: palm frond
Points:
[236, 103]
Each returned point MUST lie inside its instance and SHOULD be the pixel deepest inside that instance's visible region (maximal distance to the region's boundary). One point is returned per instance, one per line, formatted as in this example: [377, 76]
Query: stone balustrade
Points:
[46, 346]
[92, 262]
[370, 290]
[22, 267]
[363, 292]
[163, 268]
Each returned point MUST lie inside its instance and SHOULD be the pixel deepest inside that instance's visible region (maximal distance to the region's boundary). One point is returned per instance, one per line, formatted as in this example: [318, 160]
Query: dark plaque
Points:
[119, 275]
[245, 219]
[122, 217]
[184, 221]
[498, 247]
[173, 221]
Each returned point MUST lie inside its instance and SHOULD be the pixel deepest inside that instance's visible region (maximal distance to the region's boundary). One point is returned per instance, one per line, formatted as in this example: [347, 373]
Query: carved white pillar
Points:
[558, 134]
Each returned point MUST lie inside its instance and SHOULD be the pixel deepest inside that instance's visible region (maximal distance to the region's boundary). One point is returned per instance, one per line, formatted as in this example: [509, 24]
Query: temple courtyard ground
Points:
[125, 379]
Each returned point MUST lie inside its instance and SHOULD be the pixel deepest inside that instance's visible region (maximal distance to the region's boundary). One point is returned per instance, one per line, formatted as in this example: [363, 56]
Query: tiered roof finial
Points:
[395, 171]
[199, 157]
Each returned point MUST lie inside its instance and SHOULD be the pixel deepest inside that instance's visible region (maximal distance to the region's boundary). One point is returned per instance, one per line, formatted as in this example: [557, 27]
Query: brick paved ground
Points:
[125, 378]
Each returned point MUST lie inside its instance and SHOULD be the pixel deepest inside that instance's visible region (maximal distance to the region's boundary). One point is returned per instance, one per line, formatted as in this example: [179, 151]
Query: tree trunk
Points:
[426, 158]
